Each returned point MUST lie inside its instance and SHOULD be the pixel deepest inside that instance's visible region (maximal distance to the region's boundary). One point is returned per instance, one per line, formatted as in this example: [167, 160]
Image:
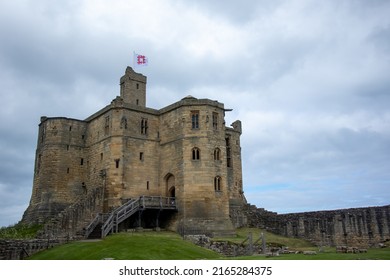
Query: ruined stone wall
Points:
[71, 222]
[20, 249]
[233, 150]
[361, 227]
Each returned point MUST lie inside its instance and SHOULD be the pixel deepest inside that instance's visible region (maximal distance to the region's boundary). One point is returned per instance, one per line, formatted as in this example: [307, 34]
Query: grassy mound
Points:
[170, 246]
[129, 246]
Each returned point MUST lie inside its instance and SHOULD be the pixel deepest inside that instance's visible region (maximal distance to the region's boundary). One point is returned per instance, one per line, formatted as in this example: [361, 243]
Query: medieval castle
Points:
[179, 167]
[183, 152]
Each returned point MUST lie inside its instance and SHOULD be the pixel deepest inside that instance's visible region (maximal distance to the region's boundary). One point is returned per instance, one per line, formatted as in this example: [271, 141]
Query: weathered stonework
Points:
[183, 150]
[20, 249]
[359, 227]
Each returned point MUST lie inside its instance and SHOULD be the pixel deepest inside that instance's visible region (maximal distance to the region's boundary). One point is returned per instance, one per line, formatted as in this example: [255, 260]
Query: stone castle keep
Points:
[179, 168]
[183, 151]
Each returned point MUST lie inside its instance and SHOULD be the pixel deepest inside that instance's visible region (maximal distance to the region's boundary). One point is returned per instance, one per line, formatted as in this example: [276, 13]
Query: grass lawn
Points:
[129, 246]
[298, 244]
[170, 246]
[328, 254]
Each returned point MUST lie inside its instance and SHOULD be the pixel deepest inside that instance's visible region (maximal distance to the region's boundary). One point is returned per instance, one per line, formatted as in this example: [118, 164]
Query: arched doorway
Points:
[171, 192]
[170, 185]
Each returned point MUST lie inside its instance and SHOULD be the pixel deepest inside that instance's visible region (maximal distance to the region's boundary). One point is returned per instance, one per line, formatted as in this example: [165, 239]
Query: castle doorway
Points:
[171, 192]
[170, 185]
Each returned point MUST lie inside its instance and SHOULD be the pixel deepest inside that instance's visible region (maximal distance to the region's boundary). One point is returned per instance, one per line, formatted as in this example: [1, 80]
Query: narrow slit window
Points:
[217, 184]
[217, 154]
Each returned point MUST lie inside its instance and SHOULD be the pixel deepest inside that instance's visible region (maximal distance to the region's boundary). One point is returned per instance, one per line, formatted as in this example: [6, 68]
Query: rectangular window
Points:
[215, 121]
[144, 126]
[81, 161]
[117, 163]
[147, 185]
[195, 119]
[141, 156]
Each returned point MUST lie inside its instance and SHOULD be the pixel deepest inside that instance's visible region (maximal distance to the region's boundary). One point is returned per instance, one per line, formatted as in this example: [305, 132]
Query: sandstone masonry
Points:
[359, 227]
[129, 150]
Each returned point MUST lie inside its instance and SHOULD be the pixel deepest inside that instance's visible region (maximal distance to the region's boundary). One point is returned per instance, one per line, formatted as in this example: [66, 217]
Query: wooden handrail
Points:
[129, 208]
[93, 224]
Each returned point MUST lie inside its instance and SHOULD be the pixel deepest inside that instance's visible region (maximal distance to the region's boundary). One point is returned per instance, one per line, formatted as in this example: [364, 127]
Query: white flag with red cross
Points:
[140, 60]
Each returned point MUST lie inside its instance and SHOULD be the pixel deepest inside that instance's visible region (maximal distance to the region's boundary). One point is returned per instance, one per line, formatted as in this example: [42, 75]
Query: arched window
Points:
[195, 154]
[217, 183]
[217, 154]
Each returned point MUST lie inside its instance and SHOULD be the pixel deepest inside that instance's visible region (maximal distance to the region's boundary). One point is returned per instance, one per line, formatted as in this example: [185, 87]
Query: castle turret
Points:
[133, 88]
[59, 176]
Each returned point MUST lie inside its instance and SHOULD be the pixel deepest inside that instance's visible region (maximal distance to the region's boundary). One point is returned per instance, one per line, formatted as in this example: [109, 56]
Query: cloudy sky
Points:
[309, 80]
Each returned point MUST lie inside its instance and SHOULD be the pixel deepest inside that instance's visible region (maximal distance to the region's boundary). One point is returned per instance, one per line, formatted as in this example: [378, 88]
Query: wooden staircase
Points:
[103, 224]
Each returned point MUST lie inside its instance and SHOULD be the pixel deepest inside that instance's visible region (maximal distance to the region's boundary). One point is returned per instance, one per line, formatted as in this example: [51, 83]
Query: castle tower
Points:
[133, 88]
[60, 165]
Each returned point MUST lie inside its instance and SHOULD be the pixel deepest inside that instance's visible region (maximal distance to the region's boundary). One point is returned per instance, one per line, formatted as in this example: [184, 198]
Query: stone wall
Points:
[19, 249]
[70, 223]
[360, 227]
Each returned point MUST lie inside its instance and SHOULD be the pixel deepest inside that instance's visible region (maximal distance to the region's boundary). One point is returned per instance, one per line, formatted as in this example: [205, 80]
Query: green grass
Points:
[170, 246]
[129, 246]
[328, 254]
[19, 231]
[295, 244]
[271, 239]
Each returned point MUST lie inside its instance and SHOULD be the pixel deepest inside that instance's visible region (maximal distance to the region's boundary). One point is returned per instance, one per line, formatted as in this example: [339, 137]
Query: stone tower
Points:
[183, 150]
